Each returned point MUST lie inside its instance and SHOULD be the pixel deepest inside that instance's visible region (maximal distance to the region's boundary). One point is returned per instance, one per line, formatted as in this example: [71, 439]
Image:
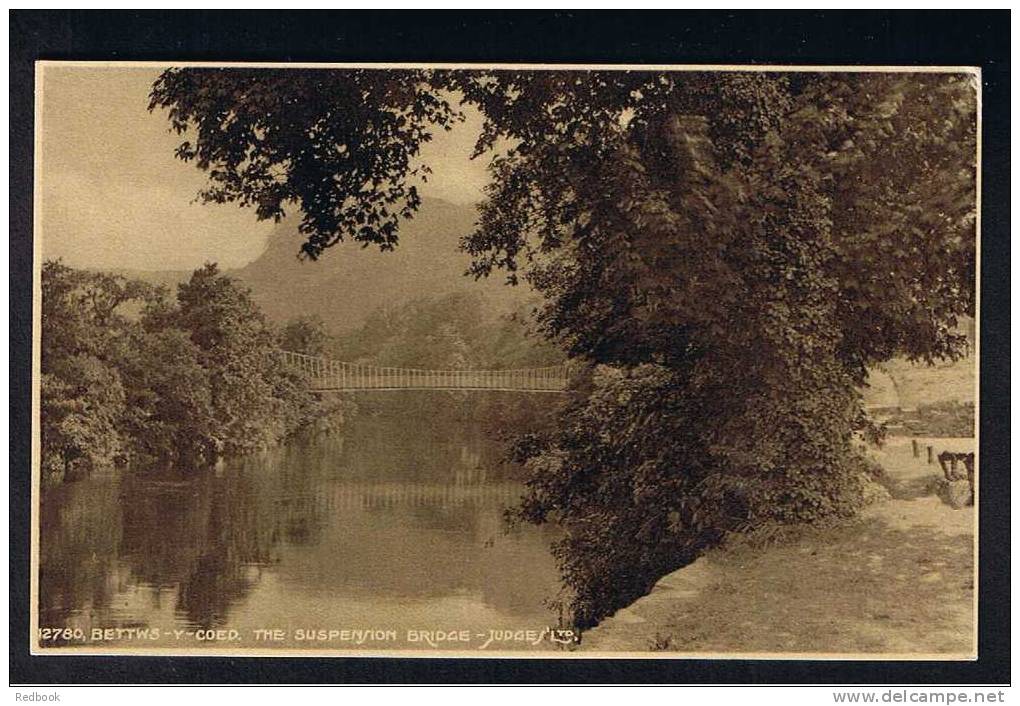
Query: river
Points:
[388, 537]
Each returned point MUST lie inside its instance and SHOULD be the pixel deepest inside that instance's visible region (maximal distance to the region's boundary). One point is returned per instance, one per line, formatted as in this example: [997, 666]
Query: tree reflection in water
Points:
[354, 528]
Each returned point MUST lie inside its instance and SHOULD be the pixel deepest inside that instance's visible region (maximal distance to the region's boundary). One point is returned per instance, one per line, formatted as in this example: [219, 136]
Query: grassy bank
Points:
[897, 581]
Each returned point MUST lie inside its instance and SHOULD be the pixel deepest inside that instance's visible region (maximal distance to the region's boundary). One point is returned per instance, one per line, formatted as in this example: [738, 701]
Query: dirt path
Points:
[898, 581]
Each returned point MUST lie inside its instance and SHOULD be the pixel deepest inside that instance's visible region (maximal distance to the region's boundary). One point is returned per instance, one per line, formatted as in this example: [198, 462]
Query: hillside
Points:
[924, 385]
[349, 282]
[901, 383]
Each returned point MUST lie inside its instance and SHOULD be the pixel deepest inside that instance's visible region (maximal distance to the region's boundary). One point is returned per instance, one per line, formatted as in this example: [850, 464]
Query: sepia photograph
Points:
[475, 360]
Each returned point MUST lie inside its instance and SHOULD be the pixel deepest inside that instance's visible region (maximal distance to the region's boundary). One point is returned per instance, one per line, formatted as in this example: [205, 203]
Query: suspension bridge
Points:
[324, 374]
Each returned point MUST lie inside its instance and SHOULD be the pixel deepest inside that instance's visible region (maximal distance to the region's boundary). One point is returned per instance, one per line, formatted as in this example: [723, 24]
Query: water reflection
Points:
[391, 526]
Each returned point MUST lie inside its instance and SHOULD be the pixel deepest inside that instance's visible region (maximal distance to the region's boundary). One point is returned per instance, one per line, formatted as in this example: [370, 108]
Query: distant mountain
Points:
[348, 282]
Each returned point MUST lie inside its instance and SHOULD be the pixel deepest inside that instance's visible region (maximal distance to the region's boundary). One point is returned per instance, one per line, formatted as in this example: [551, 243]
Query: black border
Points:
[970, 38]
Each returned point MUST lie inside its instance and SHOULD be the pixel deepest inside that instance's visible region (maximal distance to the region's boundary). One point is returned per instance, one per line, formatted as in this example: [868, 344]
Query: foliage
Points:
[82, 401]
[759, 273]
[347, 162]
[169, 412]
[728, 252]
[81, 310]
[452, 332]
[940, 419]
[306, 334]
[82, 395]
[436, 333]
[235, 345]
[181, 383]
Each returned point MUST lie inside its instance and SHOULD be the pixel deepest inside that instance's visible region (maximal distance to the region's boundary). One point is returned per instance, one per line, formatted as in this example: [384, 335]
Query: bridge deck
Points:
[333, 375]
[352, 388]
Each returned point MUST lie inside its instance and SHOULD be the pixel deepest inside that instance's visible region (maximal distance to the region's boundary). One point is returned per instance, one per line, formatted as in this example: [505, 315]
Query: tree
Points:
[81, 310]
[346, 162]
[306, 334]
[169, 413]
[82, 403]
[179, 384]
[256, 401]
[82, 395]
[728, 253]
[236, 347]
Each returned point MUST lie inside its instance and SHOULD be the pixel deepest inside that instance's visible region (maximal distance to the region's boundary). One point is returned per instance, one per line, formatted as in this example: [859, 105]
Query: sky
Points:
[114, 196]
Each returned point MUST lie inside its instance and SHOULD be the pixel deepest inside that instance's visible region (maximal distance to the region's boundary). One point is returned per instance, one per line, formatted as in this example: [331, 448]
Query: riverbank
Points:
[897, 581]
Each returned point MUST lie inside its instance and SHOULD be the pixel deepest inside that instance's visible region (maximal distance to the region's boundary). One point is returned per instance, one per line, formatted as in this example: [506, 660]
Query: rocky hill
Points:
[349, 282]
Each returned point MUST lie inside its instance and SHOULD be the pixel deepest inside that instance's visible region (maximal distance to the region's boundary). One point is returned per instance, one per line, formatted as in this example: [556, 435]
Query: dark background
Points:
[974, 38]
